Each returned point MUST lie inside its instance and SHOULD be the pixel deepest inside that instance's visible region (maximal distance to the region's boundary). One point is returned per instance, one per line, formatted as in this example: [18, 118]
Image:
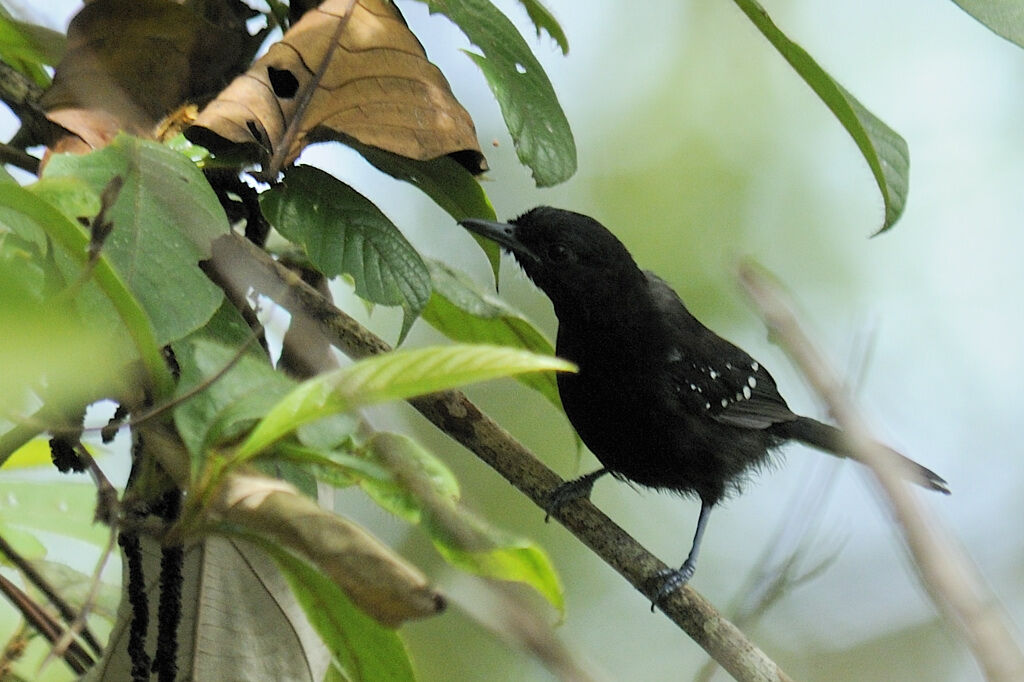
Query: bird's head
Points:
[570, 256]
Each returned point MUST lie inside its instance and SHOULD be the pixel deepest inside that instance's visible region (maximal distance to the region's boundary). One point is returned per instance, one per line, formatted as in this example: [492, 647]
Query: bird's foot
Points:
[569, 491]
[671, 579]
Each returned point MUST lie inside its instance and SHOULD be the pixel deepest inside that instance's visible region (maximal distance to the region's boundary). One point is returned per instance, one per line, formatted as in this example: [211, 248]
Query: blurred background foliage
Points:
[698, 146]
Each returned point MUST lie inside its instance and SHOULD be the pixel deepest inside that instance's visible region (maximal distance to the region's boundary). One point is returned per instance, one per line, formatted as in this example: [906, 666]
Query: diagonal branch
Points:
[947, 573]
[241, 265]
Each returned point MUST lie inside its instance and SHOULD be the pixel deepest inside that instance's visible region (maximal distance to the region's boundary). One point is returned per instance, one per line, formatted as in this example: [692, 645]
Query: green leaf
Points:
[64, 510]
[70, 195]
[343, 232]
[465, 541]
[28, 47]
[463, 313]
[164, 219]
[534, 117]
[229, 405]
[27, 216]
[543, 19]
[882, 147]
[1004, 17]
[365, 650]
[390, 376]
[447, 182]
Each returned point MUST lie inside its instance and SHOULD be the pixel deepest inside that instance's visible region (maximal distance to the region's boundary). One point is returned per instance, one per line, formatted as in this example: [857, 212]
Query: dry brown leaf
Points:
[377, 580]
[131, 62]
[344, 70]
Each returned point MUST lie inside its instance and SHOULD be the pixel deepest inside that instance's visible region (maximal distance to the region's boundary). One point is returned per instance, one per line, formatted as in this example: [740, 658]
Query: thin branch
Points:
[945, 571]
[67, 612]
[244, 265]
[19, 158]
[80, 624]
[76, 657]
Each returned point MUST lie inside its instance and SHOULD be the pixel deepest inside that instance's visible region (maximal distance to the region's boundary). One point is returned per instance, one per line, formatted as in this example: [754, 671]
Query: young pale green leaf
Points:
[391, 376]
[364, 649]
[1004, 17]
[164, 219]
[343, 232]
[882, 147]
[463, 313]
[465, 541]
[543, 20]
[512, 559]
[534, 117]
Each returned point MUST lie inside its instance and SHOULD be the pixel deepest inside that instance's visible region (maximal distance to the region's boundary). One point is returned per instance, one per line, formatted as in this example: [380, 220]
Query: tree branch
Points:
[241, 265]
[945, 571]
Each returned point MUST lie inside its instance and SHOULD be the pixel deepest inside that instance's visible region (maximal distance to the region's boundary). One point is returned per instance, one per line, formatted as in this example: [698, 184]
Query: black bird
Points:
[659, 399]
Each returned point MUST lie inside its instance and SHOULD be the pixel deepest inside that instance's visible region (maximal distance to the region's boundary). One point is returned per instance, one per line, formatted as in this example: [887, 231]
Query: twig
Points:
[19, 157]
[43, 585]
[80, 624]
[76, 657]
[945, 571]
[244, 265]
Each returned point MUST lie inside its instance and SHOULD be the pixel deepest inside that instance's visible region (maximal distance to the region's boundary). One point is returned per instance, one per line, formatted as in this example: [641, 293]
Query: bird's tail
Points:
[831, 440]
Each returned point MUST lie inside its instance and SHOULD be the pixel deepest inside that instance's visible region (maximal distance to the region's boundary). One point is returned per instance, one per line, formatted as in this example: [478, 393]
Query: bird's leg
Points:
[571, 490]
[672, 579]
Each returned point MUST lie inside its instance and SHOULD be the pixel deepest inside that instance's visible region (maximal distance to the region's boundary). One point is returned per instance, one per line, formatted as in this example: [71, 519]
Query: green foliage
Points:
[534, 117]
[363, 649]
[29, 48]
[543, 20]
[1004, 17]
[343, 232]
[392, 376]
[884, 150]
[445, 181]
[94, 309]
[466, 542]
[460, 311]
[47, 253]
[225, 406]
[165, 215]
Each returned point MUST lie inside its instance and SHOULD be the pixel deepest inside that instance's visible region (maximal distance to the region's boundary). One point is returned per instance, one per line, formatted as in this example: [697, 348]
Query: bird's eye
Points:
[560, 253]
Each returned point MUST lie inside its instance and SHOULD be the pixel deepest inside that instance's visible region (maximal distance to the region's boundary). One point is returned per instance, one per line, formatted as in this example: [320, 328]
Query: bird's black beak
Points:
[502, 233]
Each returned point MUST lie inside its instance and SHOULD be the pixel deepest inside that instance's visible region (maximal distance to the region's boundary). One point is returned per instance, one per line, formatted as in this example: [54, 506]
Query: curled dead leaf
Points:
[345, 70]
[131, 62]
[377, 580]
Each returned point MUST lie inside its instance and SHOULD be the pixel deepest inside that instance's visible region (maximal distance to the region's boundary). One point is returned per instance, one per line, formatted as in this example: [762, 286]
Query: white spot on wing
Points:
[674, 355]
[725, 402]
[754, 366]
[752, 382]
[746, 391]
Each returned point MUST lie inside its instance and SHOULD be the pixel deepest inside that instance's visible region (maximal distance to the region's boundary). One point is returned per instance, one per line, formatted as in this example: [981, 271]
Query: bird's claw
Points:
[671, 580]
[565, 493]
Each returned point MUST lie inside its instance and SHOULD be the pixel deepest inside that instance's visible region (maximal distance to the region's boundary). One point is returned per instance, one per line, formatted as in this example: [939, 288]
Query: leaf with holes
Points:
[343, 232]
[528, 102]
[344, 70]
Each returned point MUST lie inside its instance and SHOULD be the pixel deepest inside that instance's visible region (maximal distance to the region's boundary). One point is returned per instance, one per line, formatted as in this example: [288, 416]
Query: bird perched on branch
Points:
[660, 399]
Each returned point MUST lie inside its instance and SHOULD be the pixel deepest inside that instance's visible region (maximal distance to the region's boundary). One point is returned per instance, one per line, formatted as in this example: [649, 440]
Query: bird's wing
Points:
[710, 375]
